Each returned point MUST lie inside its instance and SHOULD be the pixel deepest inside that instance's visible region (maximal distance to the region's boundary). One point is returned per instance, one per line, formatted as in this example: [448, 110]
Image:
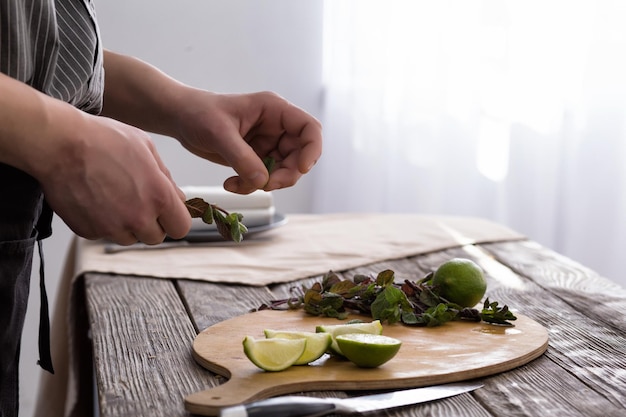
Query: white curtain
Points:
[507, 110]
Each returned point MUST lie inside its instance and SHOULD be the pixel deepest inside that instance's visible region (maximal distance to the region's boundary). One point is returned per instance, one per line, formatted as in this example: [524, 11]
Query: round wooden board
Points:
[453, 352]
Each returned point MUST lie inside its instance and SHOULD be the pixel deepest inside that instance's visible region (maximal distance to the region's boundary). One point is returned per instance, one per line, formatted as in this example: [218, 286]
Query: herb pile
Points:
[414, 303]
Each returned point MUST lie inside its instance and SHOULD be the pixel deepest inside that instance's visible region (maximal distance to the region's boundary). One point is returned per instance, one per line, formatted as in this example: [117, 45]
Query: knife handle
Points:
[289, 406]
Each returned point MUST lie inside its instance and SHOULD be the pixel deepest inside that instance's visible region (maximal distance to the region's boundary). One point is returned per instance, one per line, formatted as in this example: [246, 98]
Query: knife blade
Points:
[301, 406]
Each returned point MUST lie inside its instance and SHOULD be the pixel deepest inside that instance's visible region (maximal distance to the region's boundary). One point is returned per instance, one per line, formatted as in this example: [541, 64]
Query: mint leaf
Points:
[390, 305]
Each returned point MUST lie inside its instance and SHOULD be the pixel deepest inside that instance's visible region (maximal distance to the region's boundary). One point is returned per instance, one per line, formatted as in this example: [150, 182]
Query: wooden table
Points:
[142, 331]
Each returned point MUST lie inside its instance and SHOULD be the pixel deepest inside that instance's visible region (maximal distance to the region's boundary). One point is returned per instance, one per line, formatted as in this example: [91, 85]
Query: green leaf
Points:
[196, 207]
[409, 317]
[385, 278]
[428, 297]
[207, 216]
[342, 287]
[360, 278]
[329, 279]
[388, 305]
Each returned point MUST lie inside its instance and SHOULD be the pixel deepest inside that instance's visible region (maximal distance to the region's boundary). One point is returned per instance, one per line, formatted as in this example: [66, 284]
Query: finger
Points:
[181, 193]
[311, 149]
[282, 178]
[252, 174]
[174, 220]
[308, 132]
[123, 238]
[286, 174]
[236, 185]
[152, 235]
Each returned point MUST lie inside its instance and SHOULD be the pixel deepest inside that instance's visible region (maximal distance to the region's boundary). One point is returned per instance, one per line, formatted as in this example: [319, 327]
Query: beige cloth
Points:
[307, 245]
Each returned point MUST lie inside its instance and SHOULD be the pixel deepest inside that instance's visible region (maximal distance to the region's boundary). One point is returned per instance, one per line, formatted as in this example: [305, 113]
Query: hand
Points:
[239, 130]
[109, 182]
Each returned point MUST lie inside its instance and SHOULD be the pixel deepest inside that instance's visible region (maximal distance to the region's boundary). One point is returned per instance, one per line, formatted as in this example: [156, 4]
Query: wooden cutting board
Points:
[453, 352]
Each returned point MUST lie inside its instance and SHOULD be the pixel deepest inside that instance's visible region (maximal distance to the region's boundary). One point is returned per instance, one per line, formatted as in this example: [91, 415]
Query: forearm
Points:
[34, 128]
[139, 94]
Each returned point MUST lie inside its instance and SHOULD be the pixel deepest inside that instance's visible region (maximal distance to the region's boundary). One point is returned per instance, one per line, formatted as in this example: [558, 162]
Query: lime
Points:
[316, 343]
[273, 354]
[460, 281]
[373, 327]
[368, 350]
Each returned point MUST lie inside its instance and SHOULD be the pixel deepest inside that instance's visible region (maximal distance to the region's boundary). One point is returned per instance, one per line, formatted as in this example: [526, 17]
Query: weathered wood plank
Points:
[142, 339]
[543, 388]
[577, 285]
[210, 303]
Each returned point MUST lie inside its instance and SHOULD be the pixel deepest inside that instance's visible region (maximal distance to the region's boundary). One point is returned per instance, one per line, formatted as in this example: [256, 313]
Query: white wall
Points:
[224, 46]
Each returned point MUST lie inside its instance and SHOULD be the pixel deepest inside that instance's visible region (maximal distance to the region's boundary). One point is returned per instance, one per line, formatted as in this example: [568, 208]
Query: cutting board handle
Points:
[233, 392]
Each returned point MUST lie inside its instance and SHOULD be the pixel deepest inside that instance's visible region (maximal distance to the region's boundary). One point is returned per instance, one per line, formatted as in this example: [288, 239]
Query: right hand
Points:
[106, 180]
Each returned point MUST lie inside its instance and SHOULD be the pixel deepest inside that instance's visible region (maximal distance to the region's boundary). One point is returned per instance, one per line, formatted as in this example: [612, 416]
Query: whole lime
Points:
[460, 281]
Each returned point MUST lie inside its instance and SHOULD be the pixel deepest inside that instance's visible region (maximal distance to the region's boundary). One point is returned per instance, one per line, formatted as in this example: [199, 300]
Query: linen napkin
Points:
[307, 245]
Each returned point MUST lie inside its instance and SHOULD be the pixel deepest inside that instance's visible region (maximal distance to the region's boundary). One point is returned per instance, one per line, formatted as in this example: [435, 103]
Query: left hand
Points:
[239, 130]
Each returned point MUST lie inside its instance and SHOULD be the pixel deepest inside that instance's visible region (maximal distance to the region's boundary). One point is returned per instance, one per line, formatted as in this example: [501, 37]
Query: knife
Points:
[300, 406]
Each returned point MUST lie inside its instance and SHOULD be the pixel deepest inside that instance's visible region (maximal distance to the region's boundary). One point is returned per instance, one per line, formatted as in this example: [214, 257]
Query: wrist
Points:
[139, 94]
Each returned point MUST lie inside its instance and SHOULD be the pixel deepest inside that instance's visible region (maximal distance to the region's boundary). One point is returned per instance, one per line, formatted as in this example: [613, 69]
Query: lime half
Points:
[368, 350]
[316, 343]
[273, 354]
[373, 327]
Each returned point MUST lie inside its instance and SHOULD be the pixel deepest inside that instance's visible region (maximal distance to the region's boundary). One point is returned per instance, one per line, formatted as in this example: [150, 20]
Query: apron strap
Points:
[45, 358]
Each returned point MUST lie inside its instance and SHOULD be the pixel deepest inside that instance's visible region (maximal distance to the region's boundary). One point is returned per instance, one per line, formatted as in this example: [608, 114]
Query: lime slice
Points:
[316, 343]
[373, 327]
[273, 354]
[368, 350]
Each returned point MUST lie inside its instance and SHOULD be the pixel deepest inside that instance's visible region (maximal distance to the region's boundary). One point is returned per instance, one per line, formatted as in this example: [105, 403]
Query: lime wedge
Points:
[316, 343]
[273, 354]
[373, 327]
[368, 350]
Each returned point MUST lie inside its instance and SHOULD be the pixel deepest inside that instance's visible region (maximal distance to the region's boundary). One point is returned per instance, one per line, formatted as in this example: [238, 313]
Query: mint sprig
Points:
[228, 225]
[492, 313]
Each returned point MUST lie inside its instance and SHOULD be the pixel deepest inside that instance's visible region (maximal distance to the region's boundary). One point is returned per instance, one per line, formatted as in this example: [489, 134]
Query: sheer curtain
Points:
[508, 110]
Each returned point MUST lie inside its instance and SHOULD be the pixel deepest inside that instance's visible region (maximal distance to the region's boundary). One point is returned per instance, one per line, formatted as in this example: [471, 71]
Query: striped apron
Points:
[54, 47]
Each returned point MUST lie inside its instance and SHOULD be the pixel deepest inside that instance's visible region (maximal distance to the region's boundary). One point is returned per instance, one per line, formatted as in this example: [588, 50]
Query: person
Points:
[74, 123]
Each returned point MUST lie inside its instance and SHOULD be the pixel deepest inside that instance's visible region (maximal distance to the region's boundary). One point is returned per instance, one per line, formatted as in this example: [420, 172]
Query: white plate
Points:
[213, 235]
